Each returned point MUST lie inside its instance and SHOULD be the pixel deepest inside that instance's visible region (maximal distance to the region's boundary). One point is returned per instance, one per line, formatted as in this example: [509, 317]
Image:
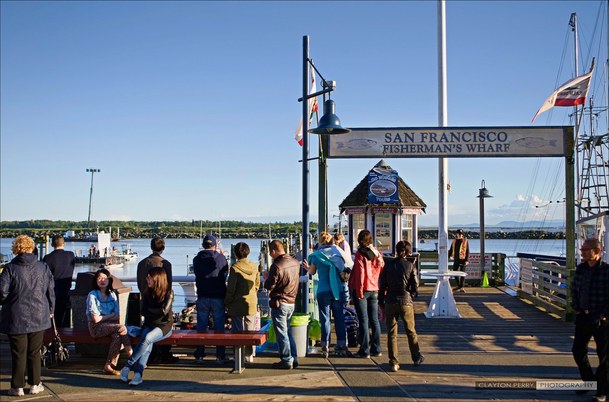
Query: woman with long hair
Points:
[27, 297]
[364, 286]
[103, 314]
[157, 303]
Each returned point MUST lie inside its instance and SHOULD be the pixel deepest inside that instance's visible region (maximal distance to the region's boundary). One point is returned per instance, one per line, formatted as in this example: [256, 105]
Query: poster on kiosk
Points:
[382, 190]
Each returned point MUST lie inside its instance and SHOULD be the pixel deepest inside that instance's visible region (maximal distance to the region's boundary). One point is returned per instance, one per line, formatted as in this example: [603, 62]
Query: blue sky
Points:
[189, 108]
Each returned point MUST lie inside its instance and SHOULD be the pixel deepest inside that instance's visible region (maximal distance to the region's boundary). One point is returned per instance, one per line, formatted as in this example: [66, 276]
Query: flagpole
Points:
[442, 303]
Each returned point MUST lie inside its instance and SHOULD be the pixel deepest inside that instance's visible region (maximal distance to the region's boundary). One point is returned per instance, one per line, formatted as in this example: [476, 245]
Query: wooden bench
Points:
[179, 337]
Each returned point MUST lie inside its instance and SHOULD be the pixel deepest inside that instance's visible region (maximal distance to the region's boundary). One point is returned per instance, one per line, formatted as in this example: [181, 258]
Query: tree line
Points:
[227, 229]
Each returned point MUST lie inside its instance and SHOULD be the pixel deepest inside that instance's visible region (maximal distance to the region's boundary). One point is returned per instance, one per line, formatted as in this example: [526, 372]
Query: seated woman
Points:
[103, 314]
[157, 303]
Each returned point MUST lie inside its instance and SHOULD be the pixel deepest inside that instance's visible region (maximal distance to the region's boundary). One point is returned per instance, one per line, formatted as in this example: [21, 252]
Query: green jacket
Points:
[242, 289]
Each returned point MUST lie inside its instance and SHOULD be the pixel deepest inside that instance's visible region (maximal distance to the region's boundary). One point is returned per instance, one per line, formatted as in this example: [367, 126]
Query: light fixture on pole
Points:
[482, 194]
[93, 171]
[329, 124]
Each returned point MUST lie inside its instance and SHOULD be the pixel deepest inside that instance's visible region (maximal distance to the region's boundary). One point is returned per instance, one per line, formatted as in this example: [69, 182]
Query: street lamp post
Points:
[328, 124]
[482, 194]
[93, 171]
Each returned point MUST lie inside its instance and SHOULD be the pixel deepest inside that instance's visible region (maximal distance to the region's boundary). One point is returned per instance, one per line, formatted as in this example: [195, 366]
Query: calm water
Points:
[180, 253]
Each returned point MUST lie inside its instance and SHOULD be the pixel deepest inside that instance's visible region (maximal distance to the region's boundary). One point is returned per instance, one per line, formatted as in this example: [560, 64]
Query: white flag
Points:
[572, 93]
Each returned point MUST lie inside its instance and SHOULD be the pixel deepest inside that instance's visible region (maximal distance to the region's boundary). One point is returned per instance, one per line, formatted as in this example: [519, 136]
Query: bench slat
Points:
[177, 338]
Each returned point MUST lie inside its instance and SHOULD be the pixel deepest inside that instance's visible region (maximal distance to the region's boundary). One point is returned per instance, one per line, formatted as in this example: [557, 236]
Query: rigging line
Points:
[526, 204]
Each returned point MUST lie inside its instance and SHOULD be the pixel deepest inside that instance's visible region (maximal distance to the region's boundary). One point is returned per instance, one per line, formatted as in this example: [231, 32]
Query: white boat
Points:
[126, 253]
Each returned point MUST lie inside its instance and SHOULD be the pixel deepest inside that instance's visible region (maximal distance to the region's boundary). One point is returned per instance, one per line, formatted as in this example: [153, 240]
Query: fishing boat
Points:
[126, 253]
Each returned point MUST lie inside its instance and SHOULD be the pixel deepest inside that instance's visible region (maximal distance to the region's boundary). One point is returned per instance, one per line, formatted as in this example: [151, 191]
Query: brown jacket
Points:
[282, 282]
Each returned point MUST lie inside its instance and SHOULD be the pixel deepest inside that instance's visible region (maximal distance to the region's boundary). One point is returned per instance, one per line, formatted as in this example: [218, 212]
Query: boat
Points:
[100, 253]
[126, 253]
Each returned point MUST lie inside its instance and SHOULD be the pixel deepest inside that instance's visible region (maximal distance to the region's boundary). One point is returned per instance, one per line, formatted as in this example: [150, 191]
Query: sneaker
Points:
[125, 374]
[16, 392]
[295, 364]
[600, 398]
[395, 367]
[248, 359]
[137, 379]
[362, 355]
[282, 365]
[325, 352]
[419, 361]
[342, 352]
[377, 354]
[36, 389]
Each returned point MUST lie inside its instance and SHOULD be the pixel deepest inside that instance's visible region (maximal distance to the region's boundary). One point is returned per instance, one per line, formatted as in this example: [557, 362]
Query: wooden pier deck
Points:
[499, 338]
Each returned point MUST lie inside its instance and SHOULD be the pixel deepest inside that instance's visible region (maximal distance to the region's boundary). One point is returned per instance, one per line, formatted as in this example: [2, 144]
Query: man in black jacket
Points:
[398, 284]
[590, 301]
[61, 262]
[211, 269]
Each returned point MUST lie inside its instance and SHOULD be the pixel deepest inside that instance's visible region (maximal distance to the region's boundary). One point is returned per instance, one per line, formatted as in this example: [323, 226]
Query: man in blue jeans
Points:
[210, 268]
[282, 280]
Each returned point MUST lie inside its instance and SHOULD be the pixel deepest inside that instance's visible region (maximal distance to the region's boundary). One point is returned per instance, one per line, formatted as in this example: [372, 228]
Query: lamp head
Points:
[329, 123]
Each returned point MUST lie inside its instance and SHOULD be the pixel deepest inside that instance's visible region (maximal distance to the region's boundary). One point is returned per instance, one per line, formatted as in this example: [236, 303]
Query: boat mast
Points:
[573, 25]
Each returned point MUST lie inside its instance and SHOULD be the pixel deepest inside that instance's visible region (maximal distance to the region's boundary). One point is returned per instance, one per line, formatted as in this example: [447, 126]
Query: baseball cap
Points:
[209, 240]
[460, 231]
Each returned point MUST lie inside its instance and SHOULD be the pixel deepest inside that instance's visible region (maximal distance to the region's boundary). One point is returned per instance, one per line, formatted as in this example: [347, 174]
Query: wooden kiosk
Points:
[383, 204]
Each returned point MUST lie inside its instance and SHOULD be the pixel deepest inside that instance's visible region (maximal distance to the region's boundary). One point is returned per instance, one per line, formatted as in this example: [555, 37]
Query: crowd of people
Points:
[33, 293]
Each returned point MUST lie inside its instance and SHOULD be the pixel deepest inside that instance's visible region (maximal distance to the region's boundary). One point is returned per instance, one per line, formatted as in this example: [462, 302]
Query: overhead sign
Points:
[451, 142]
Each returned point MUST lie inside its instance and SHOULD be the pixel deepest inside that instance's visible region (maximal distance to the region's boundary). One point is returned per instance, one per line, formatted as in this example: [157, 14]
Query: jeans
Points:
[586, 328]
[368, 315]
[281, 317]
[138, 360]
[215, 307]
[325, 304]
[393, 313]
[245, 323]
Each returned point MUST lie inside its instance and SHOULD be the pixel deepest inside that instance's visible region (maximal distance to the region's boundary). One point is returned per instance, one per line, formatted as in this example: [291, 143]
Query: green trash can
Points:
[299, 324]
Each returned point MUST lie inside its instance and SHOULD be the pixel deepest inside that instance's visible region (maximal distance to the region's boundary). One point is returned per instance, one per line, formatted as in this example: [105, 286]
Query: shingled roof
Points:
[359, 196]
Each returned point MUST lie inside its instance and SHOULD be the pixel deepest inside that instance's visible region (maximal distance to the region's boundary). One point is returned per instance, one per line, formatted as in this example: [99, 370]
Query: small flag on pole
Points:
[313, 108]
[572, 93]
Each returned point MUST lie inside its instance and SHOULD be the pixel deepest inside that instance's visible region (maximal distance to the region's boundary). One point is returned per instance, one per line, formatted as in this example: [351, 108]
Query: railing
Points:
[495, 262]
[546, 285]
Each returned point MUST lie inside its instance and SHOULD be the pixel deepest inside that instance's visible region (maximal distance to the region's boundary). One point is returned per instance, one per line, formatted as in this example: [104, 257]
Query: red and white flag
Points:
[313, 108]
[572, 93]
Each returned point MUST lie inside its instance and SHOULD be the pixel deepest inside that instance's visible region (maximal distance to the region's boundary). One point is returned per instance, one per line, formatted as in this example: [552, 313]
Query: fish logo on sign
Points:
[358, 144]
[535, 142]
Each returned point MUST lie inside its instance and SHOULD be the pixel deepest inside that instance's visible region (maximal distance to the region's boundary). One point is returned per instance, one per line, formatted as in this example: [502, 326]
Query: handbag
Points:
[55, 353]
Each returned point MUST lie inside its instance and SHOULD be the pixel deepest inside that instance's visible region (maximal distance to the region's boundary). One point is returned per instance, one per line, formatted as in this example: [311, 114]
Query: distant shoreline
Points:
[246, 234]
